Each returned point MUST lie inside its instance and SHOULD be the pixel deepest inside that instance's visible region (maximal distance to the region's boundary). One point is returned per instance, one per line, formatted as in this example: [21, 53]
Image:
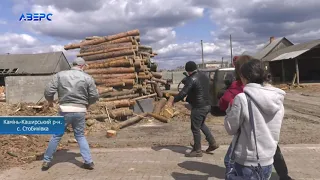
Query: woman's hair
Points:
[253, 71]
[239, 62]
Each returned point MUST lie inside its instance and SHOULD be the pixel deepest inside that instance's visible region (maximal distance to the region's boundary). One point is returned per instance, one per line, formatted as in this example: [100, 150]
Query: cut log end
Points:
[111, 133]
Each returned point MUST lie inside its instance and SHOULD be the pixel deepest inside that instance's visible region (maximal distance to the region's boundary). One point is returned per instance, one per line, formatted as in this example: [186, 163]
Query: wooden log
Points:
[99, 47]
[106, 51]
[144, 77]
[159, 105]
[119, 93]
[120, 40]
[137, 63]
[109, 59]
[128, 122]
[143, 69]
[114, 84]
[135, 32]
[120, 112]
[111, 133]
[144, 97]
[109, 55]
[102, 90]
[157, 90]
[119, 103]
[160, 118]
[118, 70]
[167, 109]
[97, 116]
[107, 64]
[162, 81]
[115, 113]
[156, 75]
[130, 96]
[168, 94]
[112, 76]
[108, 81]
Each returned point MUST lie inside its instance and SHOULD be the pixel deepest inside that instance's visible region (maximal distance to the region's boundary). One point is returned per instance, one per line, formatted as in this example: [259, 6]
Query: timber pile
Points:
[122, 69]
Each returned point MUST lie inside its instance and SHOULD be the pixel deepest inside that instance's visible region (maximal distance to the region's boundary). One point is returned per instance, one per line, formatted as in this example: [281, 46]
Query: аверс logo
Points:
[35, 16]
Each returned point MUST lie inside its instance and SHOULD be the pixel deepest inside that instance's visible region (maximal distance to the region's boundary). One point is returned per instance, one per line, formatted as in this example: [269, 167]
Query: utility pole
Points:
[222, 63]
[231, 48]
[202, 54]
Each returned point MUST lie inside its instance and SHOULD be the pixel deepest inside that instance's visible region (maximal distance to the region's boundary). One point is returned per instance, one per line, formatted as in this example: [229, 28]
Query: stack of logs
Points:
[122, 70]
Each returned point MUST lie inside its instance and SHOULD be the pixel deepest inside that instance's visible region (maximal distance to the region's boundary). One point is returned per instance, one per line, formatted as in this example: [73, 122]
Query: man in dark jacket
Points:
[196, 88]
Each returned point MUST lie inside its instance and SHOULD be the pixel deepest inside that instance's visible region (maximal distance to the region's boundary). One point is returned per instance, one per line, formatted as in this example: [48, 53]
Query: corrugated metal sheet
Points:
[42, 63]
[268, 48]
[290, 55]
[298, 47]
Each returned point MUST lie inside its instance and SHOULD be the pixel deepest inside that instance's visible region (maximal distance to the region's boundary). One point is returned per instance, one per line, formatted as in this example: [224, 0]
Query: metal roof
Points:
[268, 48]
[292, 51]
[42, 63]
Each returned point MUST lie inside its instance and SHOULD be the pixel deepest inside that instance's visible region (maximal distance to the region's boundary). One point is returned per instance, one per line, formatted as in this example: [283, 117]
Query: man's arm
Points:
[233, 119]
[51, 89]
[93, 95]
[185, 90]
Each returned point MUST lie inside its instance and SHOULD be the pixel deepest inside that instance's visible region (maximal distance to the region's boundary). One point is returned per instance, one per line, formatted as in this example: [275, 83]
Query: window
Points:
[14, 70]
[4, 71]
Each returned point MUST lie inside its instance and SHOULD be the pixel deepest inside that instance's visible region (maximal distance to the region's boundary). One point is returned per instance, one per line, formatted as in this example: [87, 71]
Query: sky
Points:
[174, 28]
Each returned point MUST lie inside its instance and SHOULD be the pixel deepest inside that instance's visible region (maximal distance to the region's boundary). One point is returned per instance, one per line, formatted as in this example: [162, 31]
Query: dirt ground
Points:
[300, 125]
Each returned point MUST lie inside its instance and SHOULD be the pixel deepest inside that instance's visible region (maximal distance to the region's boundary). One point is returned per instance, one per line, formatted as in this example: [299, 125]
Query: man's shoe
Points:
[45, 166]
[89, 166]
[212, 148]
[194, 154]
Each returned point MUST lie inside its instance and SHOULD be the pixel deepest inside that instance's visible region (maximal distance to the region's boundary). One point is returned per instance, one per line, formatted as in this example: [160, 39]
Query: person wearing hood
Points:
[268, 112]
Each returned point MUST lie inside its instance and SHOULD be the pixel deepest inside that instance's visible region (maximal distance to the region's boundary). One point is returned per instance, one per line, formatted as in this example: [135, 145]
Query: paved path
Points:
[157, 164]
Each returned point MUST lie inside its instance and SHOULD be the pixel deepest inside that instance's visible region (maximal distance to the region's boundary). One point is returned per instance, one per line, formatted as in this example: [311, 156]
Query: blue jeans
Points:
[77, 120]
[245, 172]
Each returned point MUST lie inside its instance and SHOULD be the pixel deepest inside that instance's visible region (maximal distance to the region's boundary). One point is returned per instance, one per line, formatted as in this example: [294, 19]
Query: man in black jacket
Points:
[196, 88]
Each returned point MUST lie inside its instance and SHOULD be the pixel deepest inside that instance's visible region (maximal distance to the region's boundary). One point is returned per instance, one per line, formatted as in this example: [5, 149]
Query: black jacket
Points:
[196, 87]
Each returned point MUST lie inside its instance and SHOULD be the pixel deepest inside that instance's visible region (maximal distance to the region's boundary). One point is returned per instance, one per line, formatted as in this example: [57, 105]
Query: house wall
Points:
[26, 88]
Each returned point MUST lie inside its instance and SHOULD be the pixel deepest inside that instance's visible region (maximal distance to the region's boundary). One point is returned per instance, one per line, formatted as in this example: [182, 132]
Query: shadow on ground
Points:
[211, 171]
[173, 148]
[63, 156]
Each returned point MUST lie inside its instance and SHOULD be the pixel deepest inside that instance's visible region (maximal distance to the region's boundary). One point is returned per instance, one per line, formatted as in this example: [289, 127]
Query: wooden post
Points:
[283, 72]
[297, 71]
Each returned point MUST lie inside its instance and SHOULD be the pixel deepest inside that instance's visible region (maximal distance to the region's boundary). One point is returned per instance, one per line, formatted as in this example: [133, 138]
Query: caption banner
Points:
[31, 125]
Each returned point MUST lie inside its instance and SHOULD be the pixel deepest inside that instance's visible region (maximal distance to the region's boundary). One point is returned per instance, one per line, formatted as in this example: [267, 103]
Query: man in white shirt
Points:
[76, 92]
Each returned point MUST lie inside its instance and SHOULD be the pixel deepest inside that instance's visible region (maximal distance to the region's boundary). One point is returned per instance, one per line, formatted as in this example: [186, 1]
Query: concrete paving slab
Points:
[157, 163]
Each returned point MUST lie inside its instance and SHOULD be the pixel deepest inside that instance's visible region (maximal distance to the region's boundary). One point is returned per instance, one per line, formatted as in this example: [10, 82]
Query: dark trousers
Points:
[280, 165]
[198, 117]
